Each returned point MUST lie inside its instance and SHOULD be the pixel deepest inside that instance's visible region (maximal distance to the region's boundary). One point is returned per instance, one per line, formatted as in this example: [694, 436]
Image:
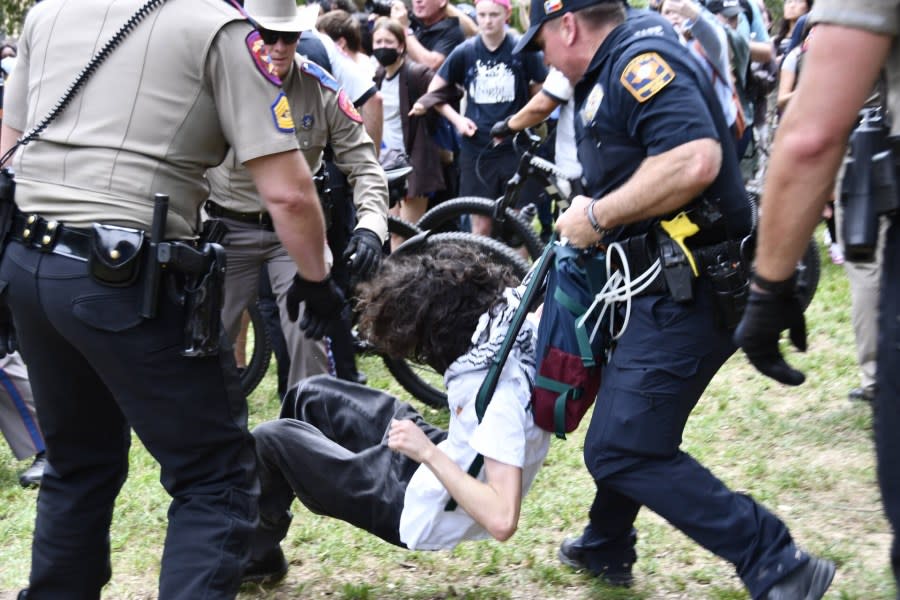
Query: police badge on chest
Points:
[591, 104]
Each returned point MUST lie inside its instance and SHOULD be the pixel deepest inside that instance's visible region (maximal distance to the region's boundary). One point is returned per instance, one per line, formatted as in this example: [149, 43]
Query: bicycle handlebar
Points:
[548, 167]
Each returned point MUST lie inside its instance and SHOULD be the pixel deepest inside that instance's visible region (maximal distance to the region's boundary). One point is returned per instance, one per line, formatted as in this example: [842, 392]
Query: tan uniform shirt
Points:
[322, 114]
[877, 16]
[163, 108]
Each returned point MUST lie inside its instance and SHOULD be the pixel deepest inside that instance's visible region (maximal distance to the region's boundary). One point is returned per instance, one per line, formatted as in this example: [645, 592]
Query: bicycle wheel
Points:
[515, 231]
[423, 382]
[260, 353]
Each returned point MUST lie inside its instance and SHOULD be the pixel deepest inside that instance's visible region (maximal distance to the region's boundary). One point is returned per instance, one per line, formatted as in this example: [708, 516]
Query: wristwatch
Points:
[589, 211]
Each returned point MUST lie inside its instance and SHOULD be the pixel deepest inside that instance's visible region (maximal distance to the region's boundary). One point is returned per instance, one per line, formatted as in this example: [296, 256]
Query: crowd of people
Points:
[257, 164]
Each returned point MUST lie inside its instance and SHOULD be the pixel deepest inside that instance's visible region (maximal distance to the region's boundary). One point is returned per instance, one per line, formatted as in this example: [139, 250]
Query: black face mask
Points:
[386, 56]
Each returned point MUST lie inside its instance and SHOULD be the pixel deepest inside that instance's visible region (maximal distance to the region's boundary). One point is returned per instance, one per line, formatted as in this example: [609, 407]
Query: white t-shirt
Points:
[354, 81]
[558, 87]
[789, 63]
[392, 135]
[506, 434]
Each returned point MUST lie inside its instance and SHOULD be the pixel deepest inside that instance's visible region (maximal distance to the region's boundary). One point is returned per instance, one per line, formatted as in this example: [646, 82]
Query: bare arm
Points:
[464, 125]
[786, 81]
[419, 53]
[469, 27]
[286, 187]
[8, 137]
[372, 112]
[762, 51]
[416, 51]
[687, 170]
[808, 151]
[536, 111]
[494, 503]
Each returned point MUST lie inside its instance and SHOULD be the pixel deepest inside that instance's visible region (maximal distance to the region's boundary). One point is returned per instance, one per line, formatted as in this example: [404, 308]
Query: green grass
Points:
[805, 452]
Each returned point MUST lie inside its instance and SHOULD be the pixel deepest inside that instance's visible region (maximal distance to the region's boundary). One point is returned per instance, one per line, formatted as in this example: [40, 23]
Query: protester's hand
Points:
[406, 438]
[324, 303]
[501, 130]
[687, 8]
[417, 110]
[575, 226]
[766, 316]
[466, 126]
[363, 253]
[400, 13]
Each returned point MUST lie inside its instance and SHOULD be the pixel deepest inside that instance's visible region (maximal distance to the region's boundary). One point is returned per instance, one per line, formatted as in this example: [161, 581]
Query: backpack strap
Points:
[581, 332]
[566, 393]
[486, 391]
[740, 120]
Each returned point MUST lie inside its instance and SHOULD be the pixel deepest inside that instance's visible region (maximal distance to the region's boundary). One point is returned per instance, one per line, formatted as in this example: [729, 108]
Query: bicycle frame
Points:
[530, 165]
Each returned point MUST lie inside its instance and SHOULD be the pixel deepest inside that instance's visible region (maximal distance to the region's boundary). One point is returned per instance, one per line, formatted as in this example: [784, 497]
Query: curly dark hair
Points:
[424, 304]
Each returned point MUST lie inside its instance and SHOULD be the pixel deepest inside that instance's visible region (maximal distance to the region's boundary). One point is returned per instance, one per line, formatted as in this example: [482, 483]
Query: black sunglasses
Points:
[270, 38]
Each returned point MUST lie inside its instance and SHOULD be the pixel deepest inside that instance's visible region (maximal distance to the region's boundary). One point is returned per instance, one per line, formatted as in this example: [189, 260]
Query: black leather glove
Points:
[363, 253]
[768, 313]
[324, 303]
[501, 129]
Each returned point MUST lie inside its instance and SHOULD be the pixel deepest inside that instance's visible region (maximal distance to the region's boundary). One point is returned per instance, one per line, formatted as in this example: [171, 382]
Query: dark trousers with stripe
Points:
[98, 370]
[18, 419]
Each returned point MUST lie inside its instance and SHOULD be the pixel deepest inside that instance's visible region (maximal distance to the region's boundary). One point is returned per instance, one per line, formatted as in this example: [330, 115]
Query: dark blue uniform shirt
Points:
[643, 95]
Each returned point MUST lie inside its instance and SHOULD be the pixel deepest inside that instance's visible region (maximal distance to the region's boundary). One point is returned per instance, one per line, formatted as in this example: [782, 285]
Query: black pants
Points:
[887, 395]
[97, 369]
[330, 450]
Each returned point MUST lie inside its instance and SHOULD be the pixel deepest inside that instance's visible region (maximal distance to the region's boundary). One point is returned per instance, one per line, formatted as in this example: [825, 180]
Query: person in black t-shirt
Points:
[431, 32]
[497, 84]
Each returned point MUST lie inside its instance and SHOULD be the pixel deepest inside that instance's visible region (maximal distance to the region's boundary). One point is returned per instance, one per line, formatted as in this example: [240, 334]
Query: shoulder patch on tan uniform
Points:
[281, 114]
[645, 75]
[258, 51]
[347, 107]
[318, 73]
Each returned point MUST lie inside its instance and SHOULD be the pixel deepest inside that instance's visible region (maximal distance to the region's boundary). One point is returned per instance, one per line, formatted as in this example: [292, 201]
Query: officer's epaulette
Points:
[324, 78]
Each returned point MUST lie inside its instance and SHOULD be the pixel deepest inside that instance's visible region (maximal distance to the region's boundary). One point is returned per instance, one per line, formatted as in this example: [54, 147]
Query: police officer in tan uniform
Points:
[855, 40]
[324, 115]
[166, 104]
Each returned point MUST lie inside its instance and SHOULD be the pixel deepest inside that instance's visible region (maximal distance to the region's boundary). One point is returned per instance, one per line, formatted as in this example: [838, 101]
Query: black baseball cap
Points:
[547, 10]
[727, 8]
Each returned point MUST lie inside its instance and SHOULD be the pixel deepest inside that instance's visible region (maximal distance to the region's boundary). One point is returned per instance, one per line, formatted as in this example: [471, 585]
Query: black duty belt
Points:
[642, 252]
[51, 236]
[262, 219]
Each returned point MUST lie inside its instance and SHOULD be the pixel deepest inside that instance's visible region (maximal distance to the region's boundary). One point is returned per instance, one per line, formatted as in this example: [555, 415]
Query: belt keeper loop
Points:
[30, 225]
[48, 235]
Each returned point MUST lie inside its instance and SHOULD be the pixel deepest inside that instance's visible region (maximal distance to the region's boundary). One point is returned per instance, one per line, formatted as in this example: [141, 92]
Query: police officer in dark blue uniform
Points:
[659, 164]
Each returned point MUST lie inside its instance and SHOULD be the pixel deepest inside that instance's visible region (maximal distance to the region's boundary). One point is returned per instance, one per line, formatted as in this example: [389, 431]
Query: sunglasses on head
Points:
[270, 37]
